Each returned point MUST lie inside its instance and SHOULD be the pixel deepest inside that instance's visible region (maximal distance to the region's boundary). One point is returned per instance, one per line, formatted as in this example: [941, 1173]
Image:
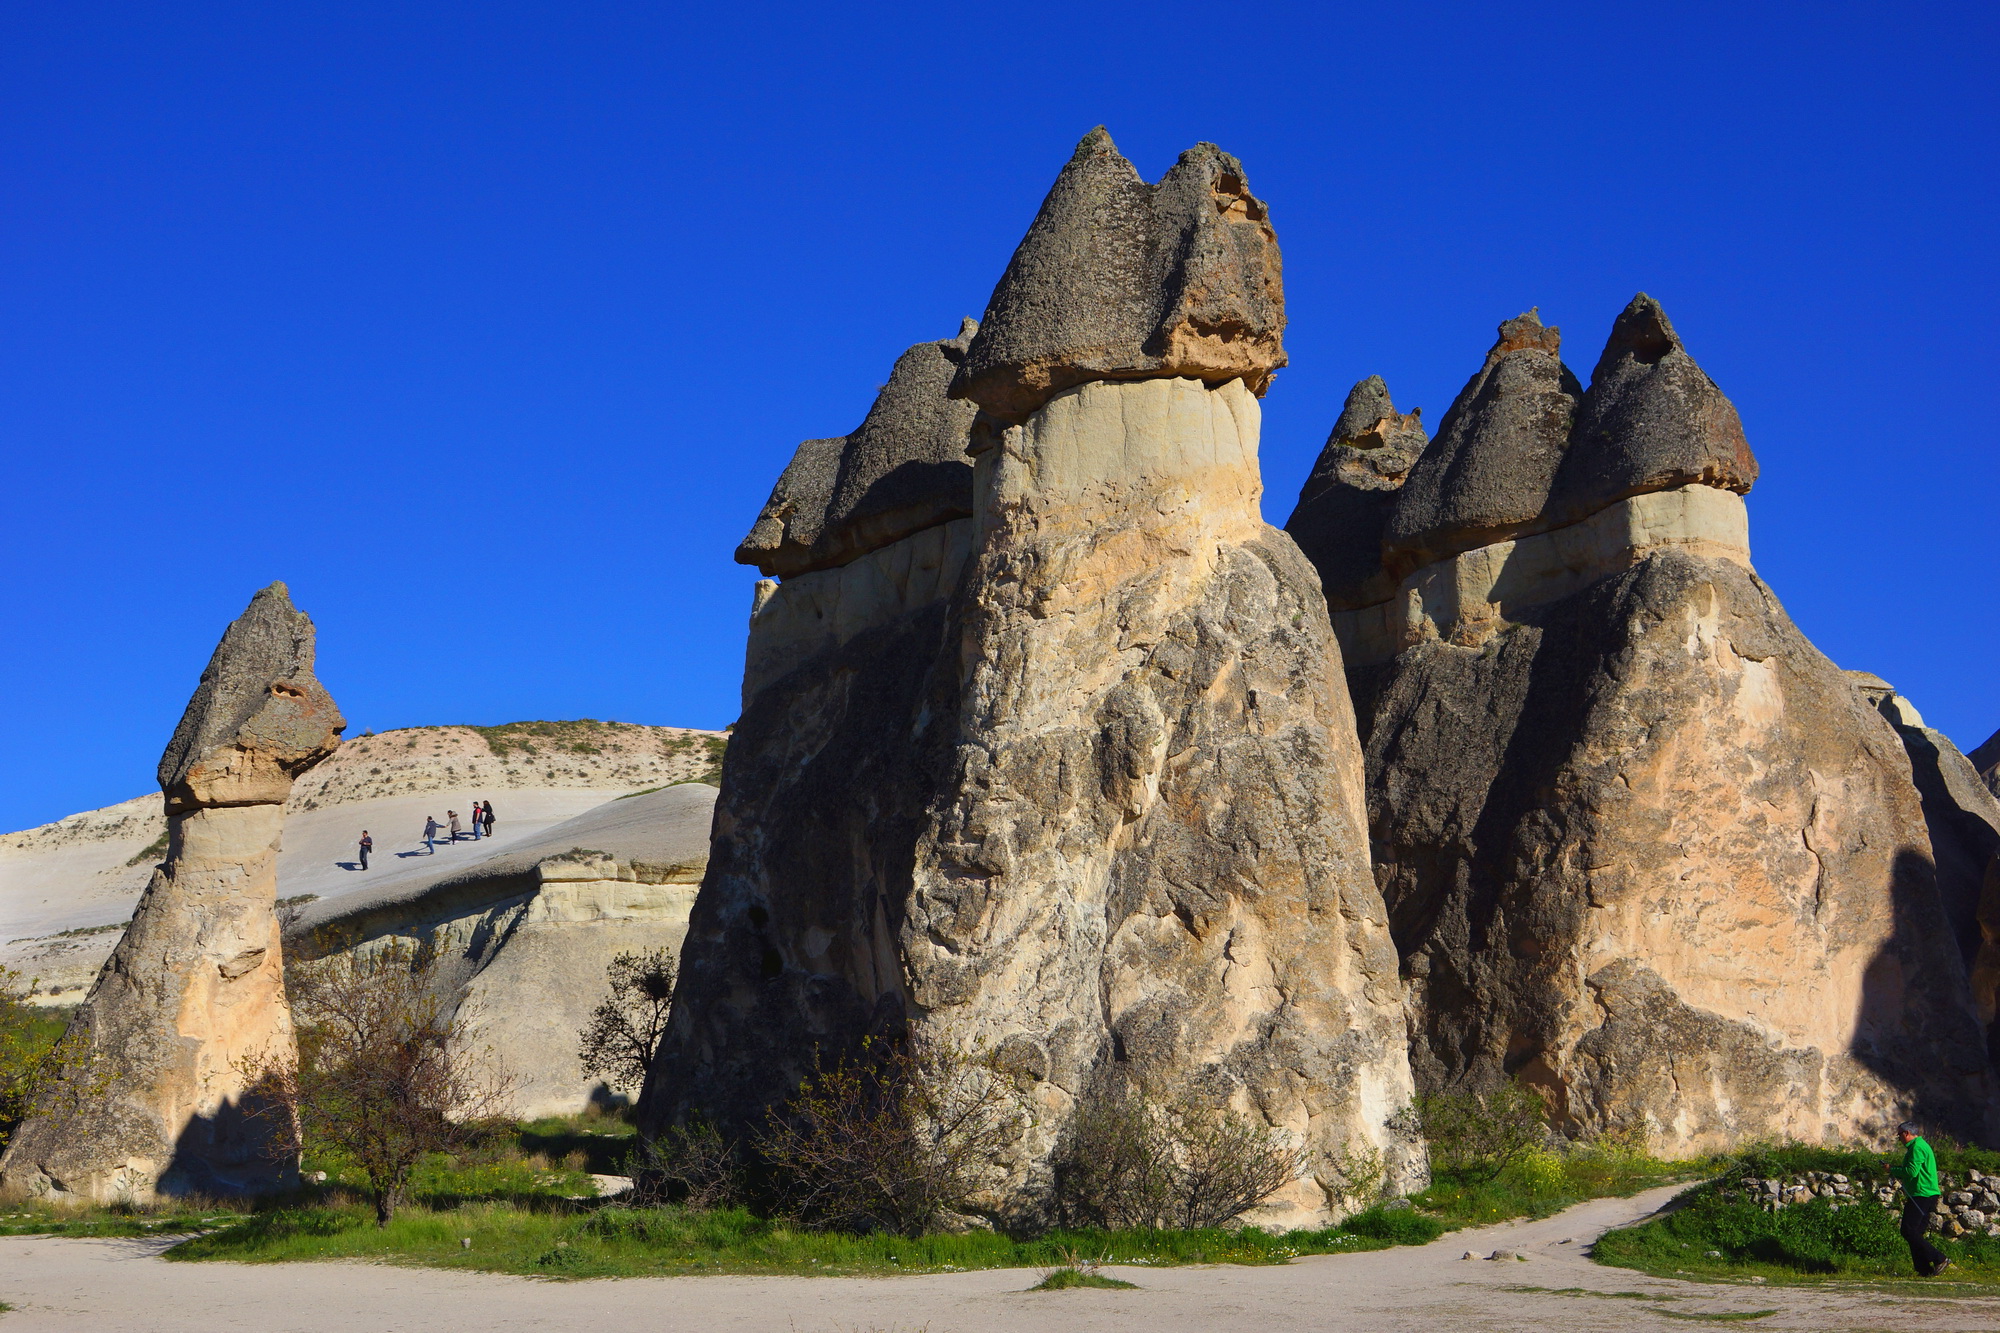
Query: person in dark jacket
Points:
[487, 815]
[1917, 1173]
[430, 834]
[367, 845]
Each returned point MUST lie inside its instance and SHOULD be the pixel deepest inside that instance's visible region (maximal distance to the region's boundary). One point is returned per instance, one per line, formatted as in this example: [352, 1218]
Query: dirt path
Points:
[84, 1286]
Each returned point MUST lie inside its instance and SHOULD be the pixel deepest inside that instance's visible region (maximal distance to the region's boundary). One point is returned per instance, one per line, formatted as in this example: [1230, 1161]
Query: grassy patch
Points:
[580, 1241]
[152, 851]
[1064, 1279]
[1542, 1183]
[1718, 1316]
[1719, 1229]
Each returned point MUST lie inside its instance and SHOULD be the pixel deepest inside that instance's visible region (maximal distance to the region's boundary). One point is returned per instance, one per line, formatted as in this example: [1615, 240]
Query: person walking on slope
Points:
[487, 815]
[475, 821]
[452, 815]
[430, 834]
[367, 845]
[1917, 1173]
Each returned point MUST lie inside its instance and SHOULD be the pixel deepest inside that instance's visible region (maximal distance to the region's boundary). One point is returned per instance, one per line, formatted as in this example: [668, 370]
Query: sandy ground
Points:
[83, 1286]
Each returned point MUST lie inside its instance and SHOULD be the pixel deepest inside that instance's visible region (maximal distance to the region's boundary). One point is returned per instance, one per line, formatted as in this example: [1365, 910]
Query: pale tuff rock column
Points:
[1067, 775]
[1150, 868]
[1642, 845]
[195, 990]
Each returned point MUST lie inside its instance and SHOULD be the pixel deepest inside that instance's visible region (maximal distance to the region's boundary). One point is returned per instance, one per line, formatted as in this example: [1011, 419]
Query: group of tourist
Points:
[481, 826]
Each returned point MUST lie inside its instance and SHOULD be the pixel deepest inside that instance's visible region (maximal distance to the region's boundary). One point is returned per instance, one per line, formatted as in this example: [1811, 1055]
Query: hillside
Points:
[66, 888]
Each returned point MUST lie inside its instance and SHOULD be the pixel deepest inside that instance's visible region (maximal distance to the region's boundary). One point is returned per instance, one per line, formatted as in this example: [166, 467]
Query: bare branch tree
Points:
[625, 1028]
[382, 1071]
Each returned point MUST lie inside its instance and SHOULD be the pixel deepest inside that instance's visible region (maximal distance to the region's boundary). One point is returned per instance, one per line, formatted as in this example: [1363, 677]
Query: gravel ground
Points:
[85, 1286]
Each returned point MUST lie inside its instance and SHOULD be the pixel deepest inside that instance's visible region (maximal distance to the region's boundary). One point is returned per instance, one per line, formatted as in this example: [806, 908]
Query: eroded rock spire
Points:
[153, 1100]
[1118, 280]
[1486, 477]
[1344, 507]
[903, 469]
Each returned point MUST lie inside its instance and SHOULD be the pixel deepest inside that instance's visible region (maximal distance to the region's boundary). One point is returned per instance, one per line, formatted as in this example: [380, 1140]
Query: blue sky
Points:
[488, 327]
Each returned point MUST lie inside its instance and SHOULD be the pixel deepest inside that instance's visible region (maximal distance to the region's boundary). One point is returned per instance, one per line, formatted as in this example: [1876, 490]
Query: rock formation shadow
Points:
[230, 1153]
[1911, 1035]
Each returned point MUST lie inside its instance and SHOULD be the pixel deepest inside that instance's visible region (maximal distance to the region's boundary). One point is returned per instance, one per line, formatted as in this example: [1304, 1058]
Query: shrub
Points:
[36, 1056]
[1475, 1137]
[1132, 1163]
[888, 1139]
[686, 1164]
[625, 1028]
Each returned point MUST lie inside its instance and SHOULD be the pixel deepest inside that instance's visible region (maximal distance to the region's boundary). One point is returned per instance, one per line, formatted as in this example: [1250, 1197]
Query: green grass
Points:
[1543, 1183]
[1716, 1230]
[1065, 1279]
[581, 1241]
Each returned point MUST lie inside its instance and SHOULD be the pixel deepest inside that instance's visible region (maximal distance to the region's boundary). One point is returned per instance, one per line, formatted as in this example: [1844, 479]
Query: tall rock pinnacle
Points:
[1121, 280]
[902, 470]
[1650, 421]
[1073, 782]
[1486, 476]
[155, 1100]
[1344, 507]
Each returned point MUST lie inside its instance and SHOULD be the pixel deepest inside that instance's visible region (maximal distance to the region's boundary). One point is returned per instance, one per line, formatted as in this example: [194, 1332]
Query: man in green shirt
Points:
[1917, 1173]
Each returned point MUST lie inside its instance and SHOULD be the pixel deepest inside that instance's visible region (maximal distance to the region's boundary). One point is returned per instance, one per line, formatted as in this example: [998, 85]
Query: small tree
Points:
[1132, 1162]
[1474, 1137]
[381, 1072]
[34, 1054]
[889, 1139]
[625, 1029]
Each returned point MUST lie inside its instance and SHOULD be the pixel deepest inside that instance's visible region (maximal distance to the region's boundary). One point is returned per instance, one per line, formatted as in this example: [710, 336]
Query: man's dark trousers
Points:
[1917, 1220]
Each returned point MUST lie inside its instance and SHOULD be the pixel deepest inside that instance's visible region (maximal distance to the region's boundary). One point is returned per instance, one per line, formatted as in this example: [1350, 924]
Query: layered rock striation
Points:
[1079, 789]
[153, 1098]
[1642, 845]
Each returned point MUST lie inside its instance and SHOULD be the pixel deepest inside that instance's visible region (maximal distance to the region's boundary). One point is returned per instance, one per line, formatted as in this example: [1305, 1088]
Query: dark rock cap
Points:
[1651, 421]
[1344, 507]
[1117, 279]
[258, 719]
[1487, 476]
[903, 469]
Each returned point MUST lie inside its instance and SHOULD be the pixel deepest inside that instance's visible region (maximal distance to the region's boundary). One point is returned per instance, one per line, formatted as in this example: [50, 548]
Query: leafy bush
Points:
[36, 1053]
[1475, 1136]
[888, 1139]
[1132, 1162]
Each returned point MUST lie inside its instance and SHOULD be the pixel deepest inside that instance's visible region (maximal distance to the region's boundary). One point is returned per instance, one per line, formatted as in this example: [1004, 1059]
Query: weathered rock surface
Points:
[524, 934]
[1344, 507]
[904, 469]
[1117, 279]
[1963, 821]
[195, 989]
[1641, 844]
[1486, 477]
[1987, 760]
[1075, 782]
[1646, 849]
[1651, 421]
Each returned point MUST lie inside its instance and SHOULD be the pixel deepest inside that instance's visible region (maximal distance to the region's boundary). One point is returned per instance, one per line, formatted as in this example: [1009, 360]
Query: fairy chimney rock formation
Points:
[1343, 509]
[1121, 280]
[903, 469]
[1088, 762]
[1642, 845]
[154, 1100]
